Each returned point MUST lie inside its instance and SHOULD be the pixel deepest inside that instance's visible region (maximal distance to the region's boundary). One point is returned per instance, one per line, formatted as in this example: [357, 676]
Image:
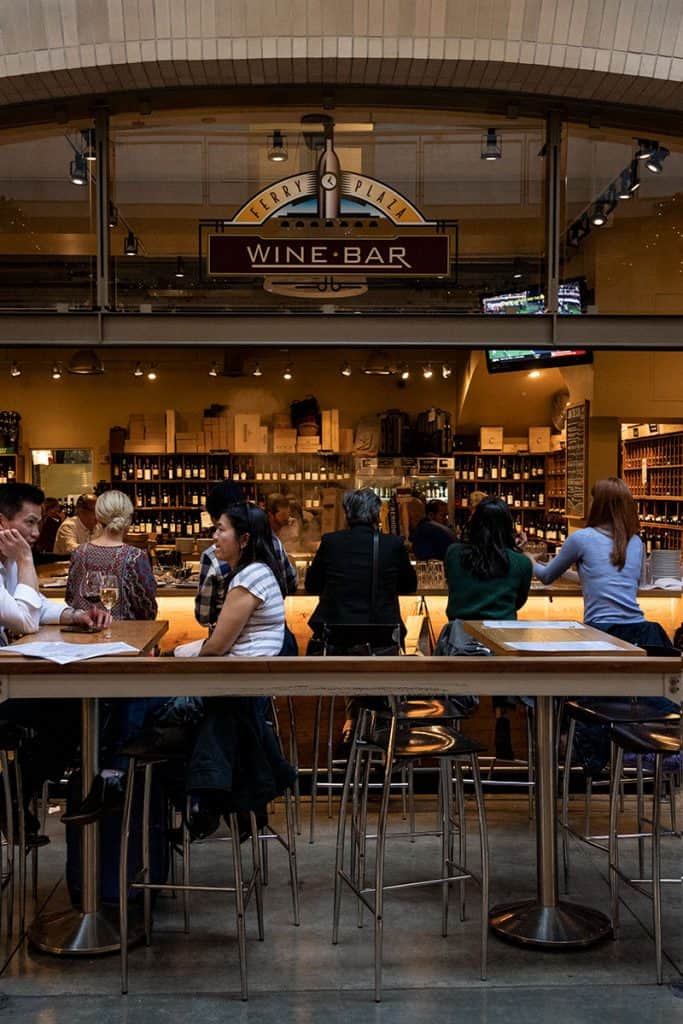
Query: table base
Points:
[563, 926]
[73, 933]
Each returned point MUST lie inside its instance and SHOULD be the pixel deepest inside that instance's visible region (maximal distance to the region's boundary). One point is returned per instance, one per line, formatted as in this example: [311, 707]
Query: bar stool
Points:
[242, 888]
[397, 742]
[661, 739]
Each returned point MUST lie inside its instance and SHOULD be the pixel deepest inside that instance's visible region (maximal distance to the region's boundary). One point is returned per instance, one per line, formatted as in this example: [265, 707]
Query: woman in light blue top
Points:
[608, 556]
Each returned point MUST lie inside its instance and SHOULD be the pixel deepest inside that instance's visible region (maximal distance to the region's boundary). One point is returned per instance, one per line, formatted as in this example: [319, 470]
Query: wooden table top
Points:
[144, 636]
[501, 637]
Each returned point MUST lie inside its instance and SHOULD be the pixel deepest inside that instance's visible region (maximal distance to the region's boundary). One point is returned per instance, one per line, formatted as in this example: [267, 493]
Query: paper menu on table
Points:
[62, 652]
[528, 624]
[561, 646]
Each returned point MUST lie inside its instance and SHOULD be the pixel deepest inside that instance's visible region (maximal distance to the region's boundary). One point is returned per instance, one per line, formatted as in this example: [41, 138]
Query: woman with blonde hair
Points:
[110, 555]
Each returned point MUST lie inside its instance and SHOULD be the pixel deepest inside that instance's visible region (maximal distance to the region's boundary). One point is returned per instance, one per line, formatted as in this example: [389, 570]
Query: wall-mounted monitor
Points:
[506, 360]
[532, 301]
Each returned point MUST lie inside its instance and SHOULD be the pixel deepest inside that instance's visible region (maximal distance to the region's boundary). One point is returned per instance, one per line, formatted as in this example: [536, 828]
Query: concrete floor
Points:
[297, 975]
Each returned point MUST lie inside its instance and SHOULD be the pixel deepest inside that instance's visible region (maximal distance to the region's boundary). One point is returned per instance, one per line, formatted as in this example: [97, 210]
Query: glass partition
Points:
[63, 472]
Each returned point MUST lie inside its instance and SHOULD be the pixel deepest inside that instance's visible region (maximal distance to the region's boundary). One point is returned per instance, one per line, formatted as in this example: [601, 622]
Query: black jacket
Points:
[341, 575]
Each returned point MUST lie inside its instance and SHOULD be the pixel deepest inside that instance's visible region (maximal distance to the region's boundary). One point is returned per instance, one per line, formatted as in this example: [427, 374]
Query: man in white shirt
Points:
[78, 529]
[54, 723]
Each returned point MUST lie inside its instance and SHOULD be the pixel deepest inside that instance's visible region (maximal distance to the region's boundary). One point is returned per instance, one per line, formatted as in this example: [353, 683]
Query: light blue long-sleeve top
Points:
[609, 594]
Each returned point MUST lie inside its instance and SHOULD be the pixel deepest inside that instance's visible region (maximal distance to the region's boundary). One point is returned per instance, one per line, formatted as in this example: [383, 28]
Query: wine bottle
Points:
[329, 181]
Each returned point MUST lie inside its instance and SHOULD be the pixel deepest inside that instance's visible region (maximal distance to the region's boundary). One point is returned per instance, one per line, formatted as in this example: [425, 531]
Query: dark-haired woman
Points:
[489, 579]
[608, 555]
[236, 764]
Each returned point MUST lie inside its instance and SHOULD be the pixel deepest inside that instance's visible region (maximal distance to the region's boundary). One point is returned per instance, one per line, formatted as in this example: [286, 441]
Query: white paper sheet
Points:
[528, 624]
[561, 646]
[62, 652]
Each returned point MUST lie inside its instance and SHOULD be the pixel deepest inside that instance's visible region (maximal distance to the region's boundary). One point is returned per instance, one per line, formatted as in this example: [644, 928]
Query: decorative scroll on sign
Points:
[577, 460]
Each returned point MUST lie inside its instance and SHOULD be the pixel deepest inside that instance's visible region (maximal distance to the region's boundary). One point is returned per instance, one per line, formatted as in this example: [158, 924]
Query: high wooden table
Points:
[543, 676]
[95, 927]
[548, 921]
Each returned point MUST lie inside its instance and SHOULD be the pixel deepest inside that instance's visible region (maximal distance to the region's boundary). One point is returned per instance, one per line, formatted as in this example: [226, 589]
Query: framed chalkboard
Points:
[577, 460]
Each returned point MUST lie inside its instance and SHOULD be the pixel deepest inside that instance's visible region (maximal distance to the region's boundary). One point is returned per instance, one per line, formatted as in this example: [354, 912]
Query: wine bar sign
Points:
[329, 223]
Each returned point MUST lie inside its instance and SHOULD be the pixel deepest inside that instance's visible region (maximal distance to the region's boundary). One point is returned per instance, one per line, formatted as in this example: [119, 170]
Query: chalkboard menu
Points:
[577, 460]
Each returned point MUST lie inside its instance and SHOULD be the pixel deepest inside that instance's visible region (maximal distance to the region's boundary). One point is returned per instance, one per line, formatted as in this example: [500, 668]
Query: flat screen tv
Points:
[506, 360]
[532, 301]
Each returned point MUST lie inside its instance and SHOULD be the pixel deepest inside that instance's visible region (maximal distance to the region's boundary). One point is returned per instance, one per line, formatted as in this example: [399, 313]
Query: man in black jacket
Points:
[341, 575]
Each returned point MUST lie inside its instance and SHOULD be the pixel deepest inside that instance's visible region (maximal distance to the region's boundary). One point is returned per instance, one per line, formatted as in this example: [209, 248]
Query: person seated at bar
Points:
[109, 555]
[341, 576]
[79, 528]
[236, 763]
[53, 515]
[432, 536]
[489, 579]
[55, 724]
[213, 573]
[608, 555]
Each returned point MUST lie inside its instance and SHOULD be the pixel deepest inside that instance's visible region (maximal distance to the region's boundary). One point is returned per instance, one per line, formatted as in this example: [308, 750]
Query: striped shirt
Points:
[264, 631]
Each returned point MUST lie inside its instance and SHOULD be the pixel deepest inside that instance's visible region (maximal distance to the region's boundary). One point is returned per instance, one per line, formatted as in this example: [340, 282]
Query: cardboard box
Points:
[539, 440]
[491, 439]
[345, 439]
[133, 447]
[170, 423]
[308, 444]
[247, 426]
[330, 430]
[284, 440]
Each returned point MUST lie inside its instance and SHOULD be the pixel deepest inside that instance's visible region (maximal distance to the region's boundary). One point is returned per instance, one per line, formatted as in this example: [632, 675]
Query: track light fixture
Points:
[654, 162]
[599, 215]
[446, 370]
[277, 147]
[635, 177]
[646, 148]
[152, 372]
[89, 151]
[130, 244]
[427, 371]
[404, 371]
[15, 369]
[288, 372]
[56, 371]
[345, 370]
[257, 371]
[113, 215]
[625, 182]
[491, 145]
[138, 371]
[180, 267]
[214, 371]
[78, 170]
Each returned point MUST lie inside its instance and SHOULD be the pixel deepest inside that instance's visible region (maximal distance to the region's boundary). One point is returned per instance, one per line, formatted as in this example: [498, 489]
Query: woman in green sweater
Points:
[489, 579]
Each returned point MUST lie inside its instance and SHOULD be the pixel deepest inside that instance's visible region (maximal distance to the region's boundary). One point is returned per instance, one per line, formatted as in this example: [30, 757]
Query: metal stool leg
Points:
[484, 848]
[613, 845]
[9, 818]
[186, 866]
[657, 867]
[564, 815]
[314, 766]
[21, 841]
[351, 768]
[445, 789]
[256, 858]
[239, 904]
[123, 874]
[294, 760]
[146, 875]
[330, 745]
[290, 824]
[379, 859]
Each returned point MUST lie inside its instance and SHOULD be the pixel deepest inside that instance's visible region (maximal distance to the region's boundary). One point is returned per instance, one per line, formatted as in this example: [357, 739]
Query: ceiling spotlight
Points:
[56, 371]
[427, 371]
[404, 371]
[89, 151]
[152, 373]
[625, 182]
[654, 163]
[257, 371]
[635, 177]
[15, 370]
[446, 370]
[277, 147]
[214, 371]
[517, 269]
[534, 374]
[345, 370]
[113, 215]
[287, 373]
[491, 146]
[138, 371]
[130, 245]
[646, 148]
[599, 216]
[180, 267]
[78, 170]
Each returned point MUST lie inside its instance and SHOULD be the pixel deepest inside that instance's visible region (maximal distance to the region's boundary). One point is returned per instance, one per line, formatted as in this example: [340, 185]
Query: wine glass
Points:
[109, 595]
[91, 586]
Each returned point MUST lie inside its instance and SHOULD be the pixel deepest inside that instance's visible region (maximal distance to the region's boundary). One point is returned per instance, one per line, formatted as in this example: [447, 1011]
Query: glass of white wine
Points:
[109, 595]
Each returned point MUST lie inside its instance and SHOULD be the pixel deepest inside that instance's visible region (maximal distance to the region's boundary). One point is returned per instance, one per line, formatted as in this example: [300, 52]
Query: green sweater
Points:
[471, 598]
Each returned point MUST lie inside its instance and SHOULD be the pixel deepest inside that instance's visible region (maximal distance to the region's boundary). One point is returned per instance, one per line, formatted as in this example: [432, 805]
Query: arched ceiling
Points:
[626, 52]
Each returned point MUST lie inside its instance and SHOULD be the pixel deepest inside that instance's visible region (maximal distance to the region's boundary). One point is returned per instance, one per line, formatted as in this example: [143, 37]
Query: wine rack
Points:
[169, 491]
[653, 469]
[11, 468]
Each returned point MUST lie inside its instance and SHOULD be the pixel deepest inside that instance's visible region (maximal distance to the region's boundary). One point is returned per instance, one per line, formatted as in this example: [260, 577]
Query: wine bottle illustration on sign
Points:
[329, 180]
